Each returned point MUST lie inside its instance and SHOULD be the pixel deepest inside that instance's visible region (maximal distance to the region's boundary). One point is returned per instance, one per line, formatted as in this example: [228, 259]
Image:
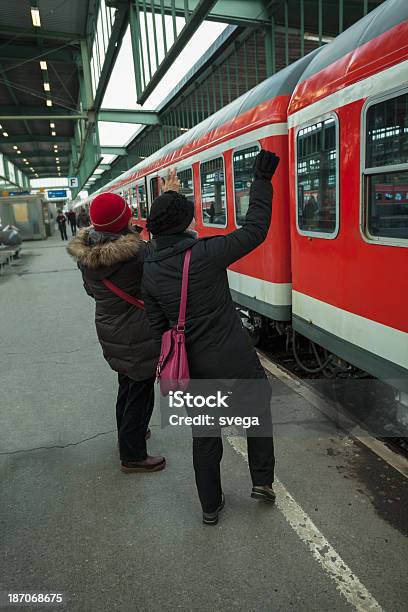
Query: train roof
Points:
[282, 83]
[383, 18]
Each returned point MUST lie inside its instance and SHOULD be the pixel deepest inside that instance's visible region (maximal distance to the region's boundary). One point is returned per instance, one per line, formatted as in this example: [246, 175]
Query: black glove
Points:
[265, 165]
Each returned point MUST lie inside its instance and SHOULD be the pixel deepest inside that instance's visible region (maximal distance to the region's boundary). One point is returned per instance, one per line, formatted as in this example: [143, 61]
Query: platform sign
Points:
[73, 181]
[57, 194]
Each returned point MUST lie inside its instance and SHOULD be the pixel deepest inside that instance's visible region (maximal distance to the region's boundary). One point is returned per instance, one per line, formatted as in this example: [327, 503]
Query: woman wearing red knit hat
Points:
[110, 255]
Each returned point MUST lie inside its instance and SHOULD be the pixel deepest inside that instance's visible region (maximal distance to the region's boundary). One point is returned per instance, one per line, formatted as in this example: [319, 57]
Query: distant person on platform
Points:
[111, 250]
[72, 222]
[62, 225]
[83, 219]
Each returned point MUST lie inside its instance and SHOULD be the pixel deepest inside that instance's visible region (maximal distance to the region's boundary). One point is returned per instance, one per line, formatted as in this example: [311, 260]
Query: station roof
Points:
[26, 84]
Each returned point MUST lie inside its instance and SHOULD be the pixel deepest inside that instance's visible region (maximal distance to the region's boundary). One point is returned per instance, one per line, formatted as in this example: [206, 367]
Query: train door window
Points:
[243, 161]
[386, 169]
[142, 200]
[154, 188]
[186, 183]
[213, 201]
[317, 179]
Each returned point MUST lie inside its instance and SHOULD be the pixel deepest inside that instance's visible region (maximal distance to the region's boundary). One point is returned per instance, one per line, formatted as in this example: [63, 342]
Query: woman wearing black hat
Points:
[218, 346]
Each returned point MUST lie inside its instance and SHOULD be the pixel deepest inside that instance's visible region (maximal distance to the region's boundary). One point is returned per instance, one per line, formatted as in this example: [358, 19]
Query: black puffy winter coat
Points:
[123, 329]
[218, 346]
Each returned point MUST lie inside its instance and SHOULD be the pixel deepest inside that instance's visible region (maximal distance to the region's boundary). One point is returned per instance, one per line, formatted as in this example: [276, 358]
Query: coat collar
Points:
[106, 252]
[167, 246]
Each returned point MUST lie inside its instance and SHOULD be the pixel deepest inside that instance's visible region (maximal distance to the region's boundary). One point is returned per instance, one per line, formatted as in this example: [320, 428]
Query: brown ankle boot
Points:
[150, 464]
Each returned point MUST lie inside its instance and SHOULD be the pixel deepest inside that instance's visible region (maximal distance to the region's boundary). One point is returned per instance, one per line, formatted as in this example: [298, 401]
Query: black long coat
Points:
[218, 346]
[123, 329]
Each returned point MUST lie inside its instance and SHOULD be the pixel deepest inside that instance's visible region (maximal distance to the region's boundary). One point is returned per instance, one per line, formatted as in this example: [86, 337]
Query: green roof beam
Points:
[238, 12]
[39, 112]
[129, 116]
[40, 33]
[120, 151]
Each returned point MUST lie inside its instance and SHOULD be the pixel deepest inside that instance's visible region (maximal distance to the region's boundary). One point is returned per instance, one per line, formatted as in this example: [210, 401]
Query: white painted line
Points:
[347, 583]
[329, 409]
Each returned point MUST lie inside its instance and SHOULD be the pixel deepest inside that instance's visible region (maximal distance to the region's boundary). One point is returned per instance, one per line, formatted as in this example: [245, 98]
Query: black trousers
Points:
[134, 407]
[208, 450]
[73, 227]
[63, 232]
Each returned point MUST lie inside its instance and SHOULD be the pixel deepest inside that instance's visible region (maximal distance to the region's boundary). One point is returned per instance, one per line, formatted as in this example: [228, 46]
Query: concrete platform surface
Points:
[72, 523]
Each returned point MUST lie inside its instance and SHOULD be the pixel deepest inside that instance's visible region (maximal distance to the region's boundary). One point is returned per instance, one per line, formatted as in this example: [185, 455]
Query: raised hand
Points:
[265, 165]
[171, 182]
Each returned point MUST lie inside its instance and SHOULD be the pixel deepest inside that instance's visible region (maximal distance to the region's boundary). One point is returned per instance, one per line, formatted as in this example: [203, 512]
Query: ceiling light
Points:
[15, 147]
[19, 152]
[24, 159]
[52, 125]
[43, 65]
[27, 163]
[5, 134]
[46, 86]
[57, 159]
[53, 133]
[1, 127]
[31, 168]
[49, 102]
[35, 16]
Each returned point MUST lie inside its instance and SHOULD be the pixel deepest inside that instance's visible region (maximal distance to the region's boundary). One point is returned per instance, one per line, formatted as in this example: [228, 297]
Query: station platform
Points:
[72, 523]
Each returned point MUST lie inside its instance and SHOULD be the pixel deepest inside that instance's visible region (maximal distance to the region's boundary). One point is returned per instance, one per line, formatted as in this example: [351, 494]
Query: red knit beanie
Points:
[109, 213]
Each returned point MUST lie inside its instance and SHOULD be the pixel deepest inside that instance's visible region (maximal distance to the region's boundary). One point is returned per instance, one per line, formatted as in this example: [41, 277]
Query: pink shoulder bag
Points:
[172, 369]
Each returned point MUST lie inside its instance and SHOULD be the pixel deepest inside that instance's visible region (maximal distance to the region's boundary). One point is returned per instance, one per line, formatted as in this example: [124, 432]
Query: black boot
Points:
[211, 518]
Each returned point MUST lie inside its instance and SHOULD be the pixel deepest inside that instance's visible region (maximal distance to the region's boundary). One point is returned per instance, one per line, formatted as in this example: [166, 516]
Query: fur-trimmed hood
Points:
[103, 254]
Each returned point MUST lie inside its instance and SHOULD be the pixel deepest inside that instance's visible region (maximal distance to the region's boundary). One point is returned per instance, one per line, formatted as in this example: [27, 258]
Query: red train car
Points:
[348, 139]
[334, 263]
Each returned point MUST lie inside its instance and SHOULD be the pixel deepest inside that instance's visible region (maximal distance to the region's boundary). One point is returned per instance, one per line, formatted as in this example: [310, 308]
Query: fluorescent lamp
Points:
[49, 102]
[15, 147]
[53, 133]
[24, 159]
[46, 86]
[52, 125]
[5, 134]
[35, 16]
[19, 152]
[27, 163]
[43, 65]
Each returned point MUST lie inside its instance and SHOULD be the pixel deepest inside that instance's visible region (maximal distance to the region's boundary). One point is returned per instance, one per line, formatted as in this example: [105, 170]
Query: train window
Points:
[154, 188]
[317, 201]
[186, 182]
[243, 161]
[142, 201]
[386, 169]
[213, 201]
[133, 202]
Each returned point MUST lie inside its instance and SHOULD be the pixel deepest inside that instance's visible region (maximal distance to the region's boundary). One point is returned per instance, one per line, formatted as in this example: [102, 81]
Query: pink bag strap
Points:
[122, 294]
[184, 286]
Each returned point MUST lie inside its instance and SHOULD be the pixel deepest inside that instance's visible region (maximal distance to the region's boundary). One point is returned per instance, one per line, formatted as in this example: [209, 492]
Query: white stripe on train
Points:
[370, 86]
[382, 340]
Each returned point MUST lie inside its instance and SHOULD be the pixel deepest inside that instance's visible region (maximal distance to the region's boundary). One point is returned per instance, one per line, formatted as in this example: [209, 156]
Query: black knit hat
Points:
[171, 213]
